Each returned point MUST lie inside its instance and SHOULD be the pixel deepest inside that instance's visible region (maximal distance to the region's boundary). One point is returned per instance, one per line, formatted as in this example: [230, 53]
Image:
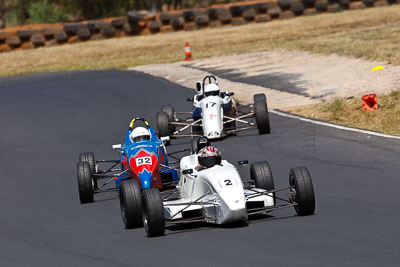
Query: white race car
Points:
[217, 195]
[214, 114]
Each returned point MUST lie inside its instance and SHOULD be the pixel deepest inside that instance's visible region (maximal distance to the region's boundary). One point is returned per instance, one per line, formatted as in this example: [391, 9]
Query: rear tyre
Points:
[259, 97]
[301, 191]
[89, 157]
[261, 174]
[130, 200]
[153, 212]
[169, 109]
[262, 116]
[163, 124]
[85, 182]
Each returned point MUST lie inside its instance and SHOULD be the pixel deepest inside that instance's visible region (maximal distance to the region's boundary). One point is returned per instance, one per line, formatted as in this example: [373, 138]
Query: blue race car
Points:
[143, 159]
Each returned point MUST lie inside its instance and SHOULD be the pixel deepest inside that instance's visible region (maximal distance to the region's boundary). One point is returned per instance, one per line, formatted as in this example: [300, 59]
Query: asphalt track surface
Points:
[48, 119]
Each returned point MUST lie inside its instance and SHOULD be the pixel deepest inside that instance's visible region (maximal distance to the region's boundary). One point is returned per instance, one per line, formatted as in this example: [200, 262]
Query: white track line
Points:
[333, 125]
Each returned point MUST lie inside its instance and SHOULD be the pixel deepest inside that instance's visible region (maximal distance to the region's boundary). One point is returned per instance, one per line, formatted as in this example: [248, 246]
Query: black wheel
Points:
[85, 182]
[261, 174]
[130, 200]
[162, 124]
[302, 191]
[153, 212]
[169, 109]
[259, 97]
[89, 157]
[262, 116]
[193, 146]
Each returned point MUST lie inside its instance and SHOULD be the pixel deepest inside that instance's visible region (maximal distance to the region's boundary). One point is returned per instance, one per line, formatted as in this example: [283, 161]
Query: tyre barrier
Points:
[143, 22]
[310, 12]
[249, 14]
[37, 40]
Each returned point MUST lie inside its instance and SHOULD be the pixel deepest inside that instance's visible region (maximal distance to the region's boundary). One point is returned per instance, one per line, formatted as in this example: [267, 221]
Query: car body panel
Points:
[144, 161]
[216, 193]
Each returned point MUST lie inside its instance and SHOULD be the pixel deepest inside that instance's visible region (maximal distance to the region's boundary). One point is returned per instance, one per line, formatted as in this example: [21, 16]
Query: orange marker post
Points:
[188, 53]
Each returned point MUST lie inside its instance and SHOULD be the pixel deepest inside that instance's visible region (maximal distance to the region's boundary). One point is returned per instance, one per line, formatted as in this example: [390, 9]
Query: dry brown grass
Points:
[349, 112]
[370, 33]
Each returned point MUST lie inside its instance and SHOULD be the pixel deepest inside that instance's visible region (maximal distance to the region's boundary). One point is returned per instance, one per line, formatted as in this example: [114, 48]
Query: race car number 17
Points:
[143, 160]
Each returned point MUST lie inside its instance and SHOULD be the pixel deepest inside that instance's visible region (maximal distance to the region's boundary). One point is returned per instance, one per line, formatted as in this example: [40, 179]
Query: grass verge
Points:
[373, 34]
[349, 112]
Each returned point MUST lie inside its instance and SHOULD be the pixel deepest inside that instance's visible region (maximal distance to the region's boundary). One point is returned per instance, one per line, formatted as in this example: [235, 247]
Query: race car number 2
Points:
[143, 160]
[227, 182]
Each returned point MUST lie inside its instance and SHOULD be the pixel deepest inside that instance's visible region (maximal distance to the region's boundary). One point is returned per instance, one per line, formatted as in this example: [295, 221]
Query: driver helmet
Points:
[209, 156]
[139, 134]
[211, 89]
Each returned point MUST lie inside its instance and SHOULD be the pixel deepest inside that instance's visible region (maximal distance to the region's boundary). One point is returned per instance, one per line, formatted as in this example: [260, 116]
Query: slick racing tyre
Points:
[261, 113]
[85, 182]
[89, 157]
[130, 200]
[162, 124]
[259, 97]
[169, 109]
[301, 191]
[153, 212]
[261, 175]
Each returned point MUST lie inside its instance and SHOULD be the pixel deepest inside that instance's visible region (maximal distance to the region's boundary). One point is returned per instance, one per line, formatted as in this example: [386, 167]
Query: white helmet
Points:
[140, 133]
[211, 89]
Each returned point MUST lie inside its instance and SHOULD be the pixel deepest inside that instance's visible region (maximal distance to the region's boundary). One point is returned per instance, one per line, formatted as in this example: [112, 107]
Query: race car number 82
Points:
[143, 160]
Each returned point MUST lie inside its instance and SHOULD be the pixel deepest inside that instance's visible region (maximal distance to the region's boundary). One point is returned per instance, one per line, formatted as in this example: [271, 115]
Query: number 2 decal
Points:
[143, 160]
[227, 182]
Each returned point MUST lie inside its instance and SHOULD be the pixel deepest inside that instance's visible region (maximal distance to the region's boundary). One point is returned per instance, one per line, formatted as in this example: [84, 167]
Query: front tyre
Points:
[261, 113]
[130, 200]
[261, 175]
[85, 182]
[301, 191]
[153, 212]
